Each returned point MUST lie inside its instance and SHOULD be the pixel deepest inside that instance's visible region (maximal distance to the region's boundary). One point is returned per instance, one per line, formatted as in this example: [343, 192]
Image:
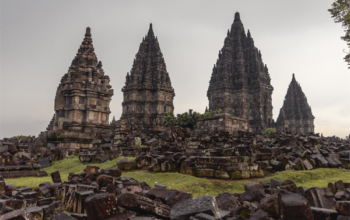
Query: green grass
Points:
[198, 186]
[194, 185]
[66, 166]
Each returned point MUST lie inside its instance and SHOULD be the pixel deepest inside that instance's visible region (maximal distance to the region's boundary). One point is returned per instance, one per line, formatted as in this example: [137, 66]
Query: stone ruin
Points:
[295, 115]
[18, 158]
[229, 155]
[240, 82]
[103, 194]
[221, 122]
[147, 92]
[81, 102]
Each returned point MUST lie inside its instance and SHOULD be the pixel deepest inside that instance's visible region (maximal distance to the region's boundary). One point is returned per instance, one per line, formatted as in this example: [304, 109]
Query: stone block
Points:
[190, 207]
[292, 206]
[221, 174]
[101, 206]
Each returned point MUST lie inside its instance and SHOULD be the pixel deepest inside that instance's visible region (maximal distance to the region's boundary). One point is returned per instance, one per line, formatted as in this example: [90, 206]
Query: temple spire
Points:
[237, 17]
[88, 32]
[297, 112]
[150, 31]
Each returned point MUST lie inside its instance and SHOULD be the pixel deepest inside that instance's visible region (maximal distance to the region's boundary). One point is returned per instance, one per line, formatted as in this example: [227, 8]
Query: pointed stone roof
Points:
[85, 65]
[295, 103]
[239, 58]
[149, 68]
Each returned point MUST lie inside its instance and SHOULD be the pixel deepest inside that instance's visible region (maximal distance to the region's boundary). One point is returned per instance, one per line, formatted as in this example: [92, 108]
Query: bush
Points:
[187, 119]
[269, 131]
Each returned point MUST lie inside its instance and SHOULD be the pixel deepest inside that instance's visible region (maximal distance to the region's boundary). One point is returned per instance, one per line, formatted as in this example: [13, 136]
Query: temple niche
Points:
[148, 93]
[296, 114]
[81, 102]
[240, 82]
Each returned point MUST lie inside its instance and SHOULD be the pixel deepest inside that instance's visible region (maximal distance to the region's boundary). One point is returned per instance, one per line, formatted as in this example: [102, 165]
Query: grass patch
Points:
[66, 166]
[198, 186]
[318, 177]
[194, 185]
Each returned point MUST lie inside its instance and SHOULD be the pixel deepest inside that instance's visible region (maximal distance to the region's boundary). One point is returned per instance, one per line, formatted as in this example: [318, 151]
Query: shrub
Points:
[186, 119]
[269, 131]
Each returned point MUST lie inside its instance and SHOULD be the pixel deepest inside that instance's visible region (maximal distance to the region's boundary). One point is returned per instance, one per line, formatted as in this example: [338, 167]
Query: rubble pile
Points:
[103, 194]
[101, 151]
[225, 155]
[18, 158]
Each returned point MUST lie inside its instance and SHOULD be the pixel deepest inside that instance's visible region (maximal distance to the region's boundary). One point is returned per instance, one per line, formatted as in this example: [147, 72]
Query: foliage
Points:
[21, 137]
[210, 114]
[65, 166]
[269, 131]
[187, 119]
[341, 13]
[169, 119]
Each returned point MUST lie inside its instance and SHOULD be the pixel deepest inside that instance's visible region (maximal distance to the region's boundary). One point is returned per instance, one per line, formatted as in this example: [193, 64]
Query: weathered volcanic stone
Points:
[253, 186]
[187, 208]
[252, 196]
[6, 209]
[324, 214]
[142, 204]
[260, 215]
[343, 207]
[45, 162]
[227, 201]
[274, 184]
[63, 216]
[53, 210]
[293, 206]
[56, 177]
[270, 205]
[101, 206]
[174, 197]
[17, 214]
[288, 185]
[320, 197]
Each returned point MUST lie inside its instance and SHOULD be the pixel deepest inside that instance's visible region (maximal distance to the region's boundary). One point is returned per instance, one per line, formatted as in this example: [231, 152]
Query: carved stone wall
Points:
[221, 122]
[240, 82]
[147, 92]
[81, 102]
[296, 114]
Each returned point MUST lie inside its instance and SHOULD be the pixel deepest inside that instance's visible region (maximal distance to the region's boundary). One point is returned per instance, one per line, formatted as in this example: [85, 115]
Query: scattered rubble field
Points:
[196, 186]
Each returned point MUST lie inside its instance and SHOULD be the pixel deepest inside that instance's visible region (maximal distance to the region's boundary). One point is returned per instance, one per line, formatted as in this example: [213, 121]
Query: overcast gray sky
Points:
[40, 38]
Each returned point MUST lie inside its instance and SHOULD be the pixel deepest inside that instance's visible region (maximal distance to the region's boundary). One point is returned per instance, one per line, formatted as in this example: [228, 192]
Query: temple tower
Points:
[147, 92]
[81, 102]
[240, 82]
[295, 115]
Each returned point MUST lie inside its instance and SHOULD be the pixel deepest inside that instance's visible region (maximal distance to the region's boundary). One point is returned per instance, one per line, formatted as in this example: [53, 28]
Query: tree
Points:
[187, 119]
[169, 119]
[341, 13]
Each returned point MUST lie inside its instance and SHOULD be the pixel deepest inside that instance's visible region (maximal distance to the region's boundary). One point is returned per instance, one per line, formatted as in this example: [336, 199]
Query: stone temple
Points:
[147, 92]
[240, 82]
[81, 102]
[295, 115]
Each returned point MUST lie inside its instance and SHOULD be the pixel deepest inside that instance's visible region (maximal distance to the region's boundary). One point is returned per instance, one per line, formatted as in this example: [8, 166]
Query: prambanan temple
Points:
[240, 82]
[147, 92]
[295, 115]
[240, 86]
[81, 102]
